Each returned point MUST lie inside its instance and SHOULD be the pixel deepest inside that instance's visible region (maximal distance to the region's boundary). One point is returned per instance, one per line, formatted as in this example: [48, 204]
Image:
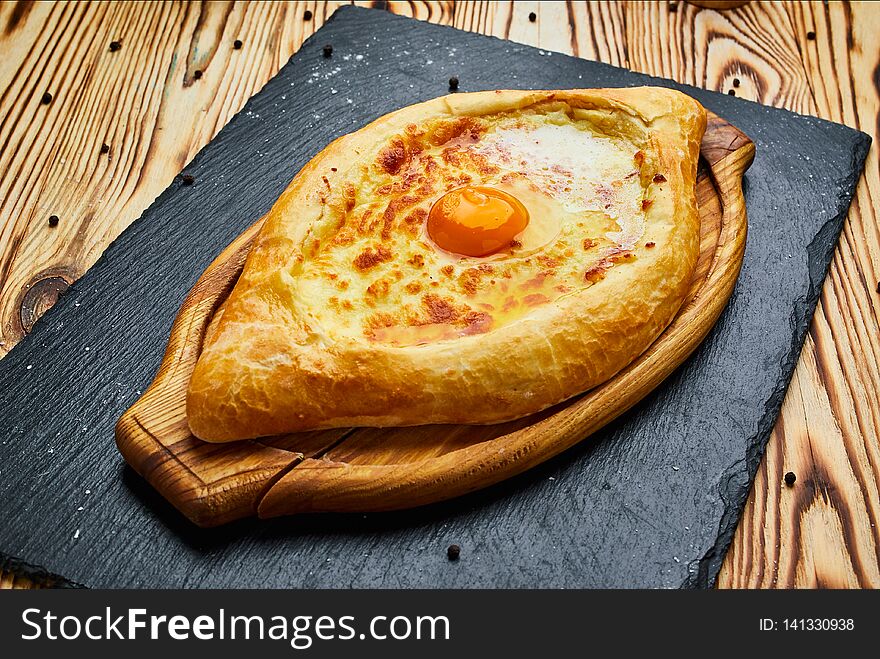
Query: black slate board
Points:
[652, 501]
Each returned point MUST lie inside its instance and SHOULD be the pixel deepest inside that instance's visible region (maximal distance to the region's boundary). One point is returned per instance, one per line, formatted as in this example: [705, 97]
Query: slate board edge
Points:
[710, 564]
[735, 498]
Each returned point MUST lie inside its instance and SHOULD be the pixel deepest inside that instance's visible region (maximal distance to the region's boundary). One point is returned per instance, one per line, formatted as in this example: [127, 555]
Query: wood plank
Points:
[761, 52]
[369, 469]
[824, 531]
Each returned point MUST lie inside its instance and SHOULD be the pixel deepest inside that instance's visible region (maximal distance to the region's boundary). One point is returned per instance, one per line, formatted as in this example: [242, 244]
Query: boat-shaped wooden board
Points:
[373, 469]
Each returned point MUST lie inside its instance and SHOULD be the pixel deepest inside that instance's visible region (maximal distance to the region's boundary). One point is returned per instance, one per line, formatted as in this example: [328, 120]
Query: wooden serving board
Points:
[372, 469]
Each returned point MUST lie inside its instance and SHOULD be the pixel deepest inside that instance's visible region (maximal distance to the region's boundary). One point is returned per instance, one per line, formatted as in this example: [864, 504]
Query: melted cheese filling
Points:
[375, 272]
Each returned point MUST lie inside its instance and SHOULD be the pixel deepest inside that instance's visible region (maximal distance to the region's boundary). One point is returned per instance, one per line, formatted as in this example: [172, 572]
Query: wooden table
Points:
[138, 88]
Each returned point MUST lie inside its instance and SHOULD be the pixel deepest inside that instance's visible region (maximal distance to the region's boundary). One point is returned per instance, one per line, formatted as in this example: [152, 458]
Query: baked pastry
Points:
[471, 259]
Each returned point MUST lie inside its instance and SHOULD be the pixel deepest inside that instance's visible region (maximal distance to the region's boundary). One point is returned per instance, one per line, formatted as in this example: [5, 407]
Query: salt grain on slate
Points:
[453, 552]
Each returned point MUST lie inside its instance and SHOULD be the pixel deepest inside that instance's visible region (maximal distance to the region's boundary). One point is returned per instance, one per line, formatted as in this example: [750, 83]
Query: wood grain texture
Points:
[140, 100]
[370, 469]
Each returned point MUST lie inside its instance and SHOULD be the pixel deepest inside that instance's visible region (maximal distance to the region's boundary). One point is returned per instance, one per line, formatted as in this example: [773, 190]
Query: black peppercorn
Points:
[673, 7]
[188, 179]
[47, 98]
[790, 478]
[328, 50]
[197, 74]
[114, 46]
[811, 35]
[736, 82]
[237, 44]
[53, 220]
[307, 15]
[453, 552]
[731, 92]
[105, 148]
[533, 17]
[453, 83]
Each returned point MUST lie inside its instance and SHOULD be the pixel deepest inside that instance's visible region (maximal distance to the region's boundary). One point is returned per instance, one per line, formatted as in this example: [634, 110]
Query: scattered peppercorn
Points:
[328, 50]
[673, 7]
[114, 46]
[453, 552]
[47, 98]
[736, 82]
[237, 44]
[197, 74]
[188, 179]
[307, 15]
[533, 17]
[878, 286]
[811, 35]
[105, 148]
[453, 83]
[53, 220]
[790, 478]
[732, 92]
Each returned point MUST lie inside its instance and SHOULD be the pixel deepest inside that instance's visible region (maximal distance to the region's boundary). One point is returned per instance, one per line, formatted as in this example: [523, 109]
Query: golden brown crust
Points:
[274, 364]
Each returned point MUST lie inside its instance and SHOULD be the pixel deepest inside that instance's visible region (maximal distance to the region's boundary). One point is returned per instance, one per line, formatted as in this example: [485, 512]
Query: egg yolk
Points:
[476, 220]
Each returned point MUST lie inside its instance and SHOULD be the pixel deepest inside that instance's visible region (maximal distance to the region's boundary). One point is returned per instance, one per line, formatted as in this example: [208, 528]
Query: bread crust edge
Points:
[557, 352]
